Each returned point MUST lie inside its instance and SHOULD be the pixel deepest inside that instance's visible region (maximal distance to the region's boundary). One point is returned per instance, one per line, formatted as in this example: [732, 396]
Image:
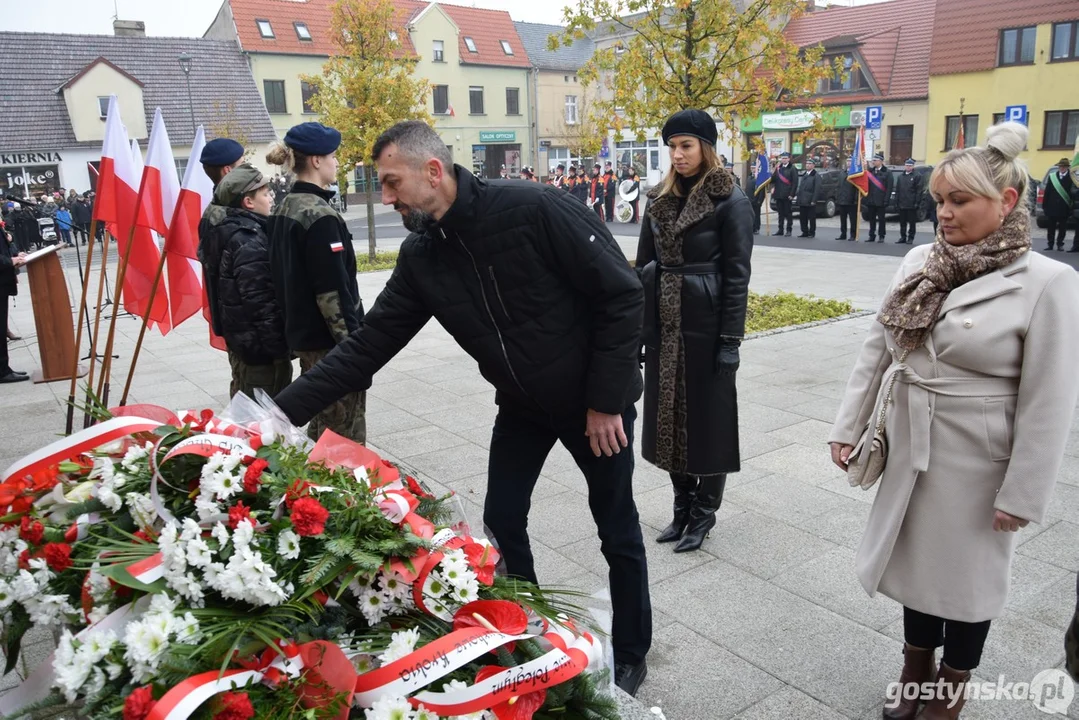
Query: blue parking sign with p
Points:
[873, 116]
[1016, 113]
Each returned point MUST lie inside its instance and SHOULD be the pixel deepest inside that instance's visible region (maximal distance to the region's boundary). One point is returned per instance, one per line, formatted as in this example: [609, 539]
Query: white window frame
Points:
[471, 45]
[103, 107]
[305, 35]
[264, 27]
[393, 35]
[438, 50]
[483, 107]
[571, 105]
[506, 47]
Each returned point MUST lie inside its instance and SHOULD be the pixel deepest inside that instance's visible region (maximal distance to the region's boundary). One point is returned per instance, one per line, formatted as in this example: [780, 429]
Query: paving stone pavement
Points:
[768, 619]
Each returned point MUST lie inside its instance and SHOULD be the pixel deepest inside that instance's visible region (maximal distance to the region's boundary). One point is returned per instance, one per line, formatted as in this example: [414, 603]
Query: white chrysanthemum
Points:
[389, 709]
[392, 584]
[220, 533]
[244, 533]
[288, 545]
[162, 603]
[24, 586]
[456, 575]
[189, 531]
[109, 498]
[373, 605]
[206, 507]
[467, 592]
[435, 586]
[187, 629]
[133, 457]
[98, 584]
[365, 663]
[166, 539]
[402, 643]
[48, 610]
[422, 713]
[198, 553]
[99, 613]
[399, 604]
[7, 596]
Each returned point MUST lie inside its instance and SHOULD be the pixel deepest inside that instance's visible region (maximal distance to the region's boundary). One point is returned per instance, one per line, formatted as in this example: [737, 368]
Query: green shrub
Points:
[384, 260]
[784, 309]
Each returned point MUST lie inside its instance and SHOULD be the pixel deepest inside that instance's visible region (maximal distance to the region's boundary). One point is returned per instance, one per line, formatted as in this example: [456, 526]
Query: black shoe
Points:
[779, 233]
[871, 239]
[1060, 248]
[756, 232]
[629, 677]
[1073, 249]
[812, 235]
[900, 241]
[1048, 249]
[787, 234]
[13, 377]
[702, 516]
[841, 237]
[685, 490]
[804, 235]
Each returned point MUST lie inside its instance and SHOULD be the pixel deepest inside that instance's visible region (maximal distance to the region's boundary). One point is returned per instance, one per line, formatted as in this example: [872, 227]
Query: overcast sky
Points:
[190, 18]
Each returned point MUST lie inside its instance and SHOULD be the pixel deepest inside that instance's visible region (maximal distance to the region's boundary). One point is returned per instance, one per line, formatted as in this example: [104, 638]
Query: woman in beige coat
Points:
[981, 335]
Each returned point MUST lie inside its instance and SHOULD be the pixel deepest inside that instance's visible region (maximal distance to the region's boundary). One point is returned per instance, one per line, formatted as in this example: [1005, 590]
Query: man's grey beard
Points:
[417, 220]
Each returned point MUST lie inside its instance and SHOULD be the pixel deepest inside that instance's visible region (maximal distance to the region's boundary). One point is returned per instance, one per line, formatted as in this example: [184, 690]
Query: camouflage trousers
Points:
[271, 378]
[346, 417]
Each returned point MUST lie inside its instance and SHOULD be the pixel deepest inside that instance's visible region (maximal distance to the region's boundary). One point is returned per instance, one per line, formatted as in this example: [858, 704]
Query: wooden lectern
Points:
[52, 316]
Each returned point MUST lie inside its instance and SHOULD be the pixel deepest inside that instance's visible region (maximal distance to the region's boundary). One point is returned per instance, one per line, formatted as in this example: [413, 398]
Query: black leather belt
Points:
[691, 269]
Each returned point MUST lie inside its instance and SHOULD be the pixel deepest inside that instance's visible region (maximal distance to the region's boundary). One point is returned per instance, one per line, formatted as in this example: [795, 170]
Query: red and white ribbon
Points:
[148, 570]
[78, 443]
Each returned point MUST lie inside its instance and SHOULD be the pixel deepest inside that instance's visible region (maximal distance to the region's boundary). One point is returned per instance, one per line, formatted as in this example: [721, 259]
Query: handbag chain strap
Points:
[888, 395]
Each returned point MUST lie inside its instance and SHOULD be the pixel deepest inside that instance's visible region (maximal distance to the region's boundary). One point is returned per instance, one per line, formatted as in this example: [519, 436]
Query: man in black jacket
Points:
[80, 218]
[846, 198]
[610, 191]
[785, 189]
[808, 194]
[10, 259]
[876, 202]
[908, 193]
[243, 309]
[535, 289]
[1057, 203]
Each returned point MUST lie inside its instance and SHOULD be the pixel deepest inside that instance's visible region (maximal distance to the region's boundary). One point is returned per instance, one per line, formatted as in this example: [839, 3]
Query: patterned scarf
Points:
[912, 310]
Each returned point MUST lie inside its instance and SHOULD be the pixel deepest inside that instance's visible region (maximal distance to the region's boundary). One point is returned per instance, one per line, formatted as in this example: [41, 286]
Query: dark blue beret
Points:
[221, 152]
[312, 138]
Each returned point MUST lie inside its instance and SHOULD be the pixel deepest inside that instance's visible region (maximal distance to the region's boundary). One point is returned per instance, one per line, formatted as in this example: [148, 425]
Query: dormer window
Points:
[471, 45]
[393, 35]
[506, 47]
[265, 29]
[846, 80]
[302, 31]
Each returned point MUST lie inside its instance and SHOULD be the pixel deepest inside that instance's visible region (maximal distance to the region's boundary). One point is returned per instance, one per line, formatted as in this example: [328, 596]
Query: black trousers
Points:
[758, 200]
[807, 219]
[636, 211]
[608, 206]
[847, 216]
[598, 208]
[785, 211]
[963, 641]
[1058, 228]
[875, 215]
[4, 301]
[908, 223]
[519, 447]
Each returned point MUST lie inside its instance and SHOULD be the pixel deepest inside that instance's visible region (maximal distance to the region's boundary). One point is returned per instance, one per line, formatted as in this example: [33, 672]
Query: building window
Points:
[506, 47]
[900, 143]
[393, 36]
[1017, 46]
[103, 107]
[265, 29]
[619, 48]
[308, 92]
[845, 80]
[274, 91]
[439, 51]
[471, 45]
[301, 31]
[970, 131]
[513, 106]
[571, 109]
[475, 100]
[181, 168]
[1061, 129]
[442, 99]
[1066, 41]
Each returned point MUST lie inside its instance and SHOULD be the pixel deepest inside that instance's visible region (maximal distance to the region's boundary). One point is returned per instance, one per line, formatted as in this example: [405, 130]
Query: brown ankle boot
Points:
[948, 704]
[918, 666]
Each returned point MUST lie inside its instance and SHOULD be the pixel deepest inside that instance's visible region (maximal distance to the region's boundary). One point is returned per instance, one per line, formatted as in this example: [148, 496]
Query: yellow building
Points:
[1006, 54]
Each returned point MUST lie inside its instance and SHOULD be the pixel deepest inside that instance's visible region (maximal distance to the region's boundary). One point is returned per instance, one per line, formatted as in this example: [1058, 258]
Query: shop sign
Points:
[791, 120]
[29, 158]
[498, 136]
[29, 179]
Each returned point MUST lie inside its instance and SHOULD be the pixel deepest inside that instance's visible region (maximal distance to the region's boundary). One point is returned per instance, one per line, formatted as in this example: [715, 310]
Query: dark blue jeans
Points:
[519, 447]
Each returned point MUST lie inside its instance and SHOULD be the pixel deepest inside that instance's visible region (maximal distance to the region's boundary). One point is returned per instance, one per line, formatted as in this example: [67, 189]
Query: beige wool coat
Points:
[979, 420]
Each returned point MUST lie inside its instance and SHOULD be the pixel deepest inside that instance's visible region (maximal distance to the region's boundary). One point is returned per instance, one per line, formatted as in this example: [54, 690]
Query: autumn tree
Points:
[226, 122]
[367, 85]
[584, 136]
[729, 57]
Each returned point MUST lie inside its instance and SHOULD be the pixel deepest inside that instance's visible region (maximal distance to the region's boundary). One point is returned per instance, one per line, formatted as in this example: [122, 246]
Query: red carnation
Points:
[238, 513]
[309, 517]
[24, 560]
[253, 475]
[32, 531]
[58, 556]
[416, 488]
[235, 706]
[298, 489]
[139, 703]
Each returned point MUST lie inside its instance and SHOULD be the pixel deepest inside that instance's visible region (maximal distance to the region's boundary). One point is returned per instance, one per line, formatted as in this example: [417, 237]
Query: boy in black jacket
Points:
[243, 308]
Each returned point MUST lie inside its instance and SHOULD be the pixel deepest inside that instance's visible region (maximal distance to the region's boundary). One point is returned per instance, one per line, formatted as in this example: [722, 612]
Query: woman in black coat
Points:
[694, 260]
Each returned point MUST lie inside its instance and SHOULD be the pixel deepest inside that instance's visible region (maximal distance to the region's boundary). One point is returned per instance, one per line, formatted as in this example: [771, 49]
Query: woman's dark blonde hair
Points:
[710, 163]
[988, 171]
[281, 154]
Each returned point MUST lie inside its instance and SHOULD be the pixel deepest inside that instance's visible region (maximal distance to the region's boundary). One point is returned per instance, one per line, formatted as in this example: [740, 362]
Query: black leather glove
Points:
[727, 356]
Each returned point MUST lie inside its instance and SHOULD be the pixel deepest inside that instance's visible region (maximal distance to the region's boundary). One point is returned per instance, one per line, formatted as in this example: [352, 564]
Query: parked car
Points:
[923, 206]
[826, 203]
[1039, 192]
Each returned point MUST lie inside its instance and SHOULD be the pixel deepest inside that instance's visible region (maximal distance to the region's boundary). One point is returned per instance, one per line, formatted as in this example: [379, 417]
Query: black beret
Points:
[697, 123]
[312, 138]
[221, 152]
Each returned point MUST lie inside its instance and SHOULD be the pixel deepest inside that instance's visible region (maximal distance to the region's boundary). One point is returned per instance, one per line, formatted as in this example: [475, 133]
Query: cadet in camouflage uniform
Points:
[314, 267]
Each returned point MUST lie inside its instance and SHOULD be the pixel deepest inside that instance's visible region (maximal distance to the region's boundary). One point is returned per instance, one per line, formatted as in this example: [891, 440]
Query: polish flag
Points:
[146, 253]
[117, 206]
[186, 291]
[159, 191]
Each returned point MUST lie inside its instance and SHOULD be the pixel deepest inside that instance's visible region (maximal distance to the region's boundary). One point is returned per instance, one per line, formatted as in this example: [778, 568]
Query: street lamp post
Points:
[185, 65]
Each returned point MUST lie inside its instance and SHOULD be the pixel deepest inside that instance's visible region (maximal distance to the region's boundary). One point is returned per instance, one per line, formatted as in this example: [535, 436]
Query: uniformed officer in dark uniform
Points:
[908, 194]
[876, 202]
[581, 186]
[596, 188]
[314, 267]
[785, 189]
[218, 158]
[1057, 203]
[610, 191]
[846, 199]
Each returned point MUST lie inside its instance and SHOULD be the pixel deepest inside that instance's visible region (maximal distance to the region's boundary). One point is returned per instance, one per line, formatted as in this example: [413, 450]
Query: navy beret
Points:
[221, 152]
[784, 154]
[910, 161]
[878, 156]
[697, 123]
[312, 138]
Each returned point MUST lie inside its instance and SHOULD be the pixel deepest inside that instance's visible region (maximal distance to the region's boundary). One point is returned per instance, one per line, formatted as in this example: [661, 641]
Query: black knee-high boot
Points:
[702, 514]
[685, 489]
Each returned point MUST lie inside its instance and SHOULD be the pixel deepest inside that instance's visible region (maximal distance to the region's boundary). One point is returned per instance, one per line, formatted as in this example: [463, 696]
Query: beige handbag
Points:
[868, 458]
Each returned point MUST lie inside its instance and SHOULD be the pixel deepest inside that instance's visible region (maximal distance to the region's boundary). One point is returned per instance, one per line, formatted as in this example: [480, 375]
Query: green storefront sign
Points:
[836, 117]
[498, 136]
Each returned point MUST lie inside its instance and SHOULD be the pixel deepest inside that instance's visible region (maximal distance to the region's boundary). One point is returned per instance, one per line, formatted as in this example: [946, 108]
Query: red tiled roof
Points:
[968, 31]
[314, 13]
[487, 28]
[893, 38]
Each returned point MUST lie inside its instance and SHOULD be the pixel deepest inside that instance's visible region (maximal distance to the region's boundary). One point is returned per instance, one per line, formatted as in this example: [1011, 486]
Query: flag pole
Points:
[102, 277]
[78, 330]
[142, 330]
[121, 273]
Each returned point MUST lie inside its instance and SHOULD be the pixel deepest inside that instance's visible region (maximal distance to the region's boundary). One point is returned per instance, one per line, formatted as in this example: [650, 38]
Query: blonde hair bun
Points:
[279, 154]
[1008, 138]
